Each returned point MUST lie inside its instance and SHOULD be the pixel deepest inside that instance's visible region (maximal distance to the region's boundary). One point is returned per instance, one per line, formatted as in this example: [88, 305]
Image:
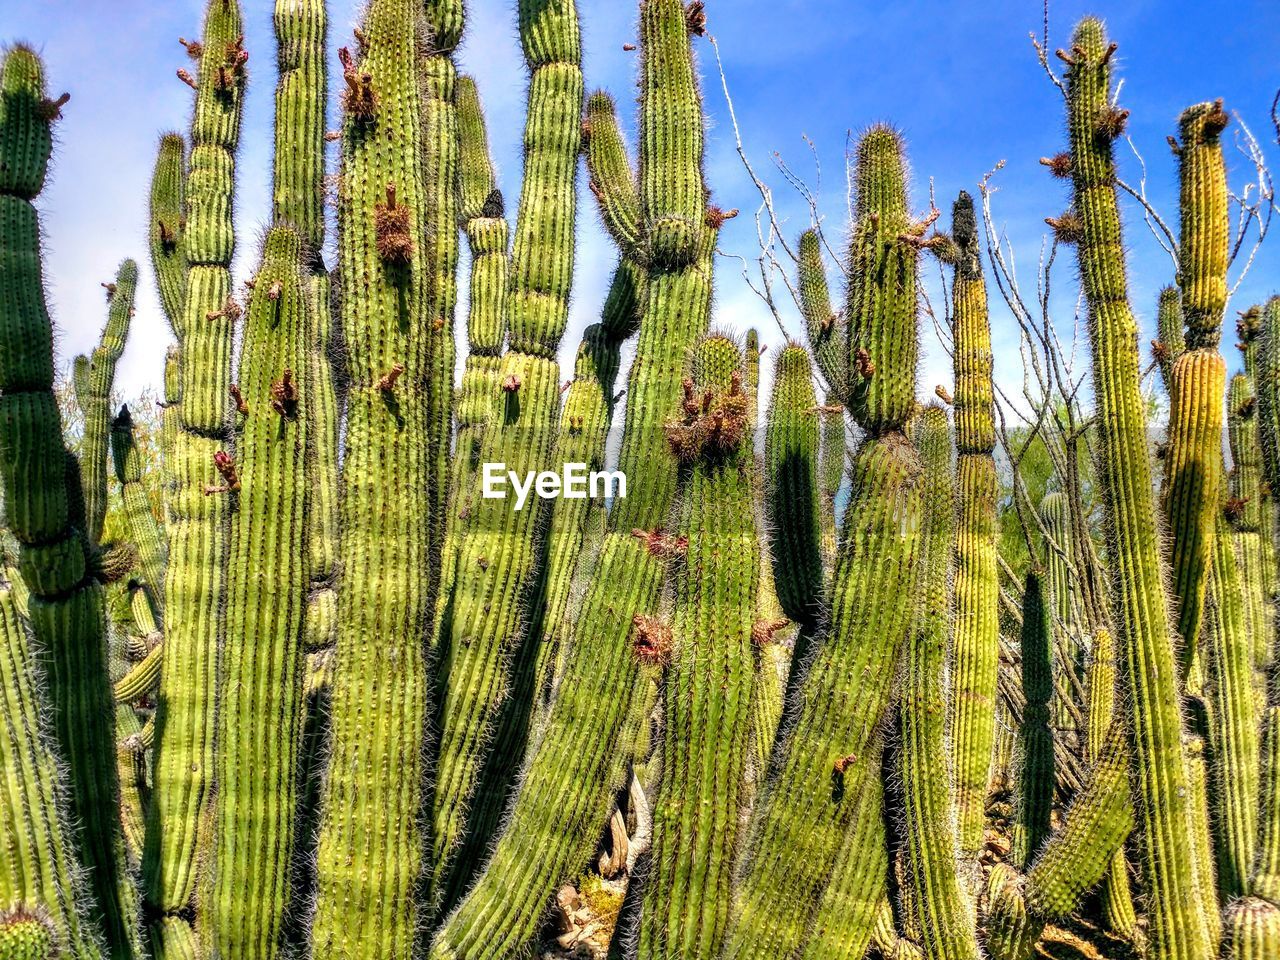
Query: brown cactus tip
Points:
[651, 640]
[1059, 164]
[843, 764]
[242, 407]
[284, 395]
[629, 47]
[1109, 53]
[1160, 352]
[763, 631]
[187, 78]
[251, 283]
[1233, 509]
[387, 382]
[226, 467]
[361, 38]
[862, 363]
[1249, 326]
[194, 47]
[391, 230]
[111, 290]
[275, 290]
[1068, 228]
[1065, 57]
[358, 98]
[944, 394]
[511, 383]
[51, 110]
[717, 218]
[1216, 120]
[695, 18]
[482, 563]
[232, 310]
[1110, 122]
[168, 236]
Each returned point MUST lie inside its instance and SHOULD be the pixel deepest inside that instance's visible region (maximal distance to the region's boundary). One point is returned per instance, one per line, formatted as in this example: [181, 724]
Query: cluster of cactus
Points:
[328, 699]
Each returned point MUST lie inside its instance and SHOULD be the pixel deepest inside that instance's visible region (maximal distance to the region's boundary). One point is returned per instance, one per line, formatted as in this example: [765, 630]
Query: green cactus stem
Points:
[1266, 870]
[1172, 341]
[95, 402]
[802, 816]
[581, 758]
[707, 685]
[140, 519]
[945, 912]
[1036, 778]
[199, 474]
[825, 328]
[168, 226]
[43, 508]
[792, 439]
[833, 460]
[367, 881]
[612, 181]
[1247, 508]
[1166, 821]
[262, 656]
[1253, 930]
[977, 633]
[40, 868]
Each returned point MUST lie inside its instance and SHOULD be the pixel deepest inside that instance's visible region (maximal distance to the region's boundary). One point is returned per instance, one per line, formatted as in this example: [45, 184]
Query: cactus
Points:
[1165, 818]
[572, 772]
[66, 605]
[367, 880]
[1253, 930]
[945, 913]
[1265, 881]
[826, 329]
[707, 684]
[262, 658]
[1247, 509]
[195, 468]
[1172, 342]
[95, 401]
[976, 640]
[144, 530]
[832, 462]
[1036, 780]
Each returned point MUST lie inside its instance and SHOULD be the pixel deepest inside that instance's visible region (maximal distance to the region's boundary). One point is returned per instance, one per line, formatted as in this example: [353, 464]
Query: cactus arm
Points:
[367, 874]
[824, 327]
[1266, 868]
[977, 634]
[168, 222]
[1172, 342]
[1247, 508]
[96, 406]
[707, 690]
[262, 658]
[40, 867]
[945, 912]
[1146, 645]
[1036, 779]
[41, 502]
[144, 529]
[833, 460]
[612, 180]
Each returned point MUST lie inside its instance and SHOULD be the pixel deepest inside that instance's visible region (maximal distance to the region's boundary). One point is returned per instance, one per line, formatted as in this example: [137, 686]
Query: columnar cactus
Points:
[497, 551]
[1247, 507]
[826, 329]
[1266, 870]
[140, 519]
[195, 218]
[1172, 342]
[944, 909]
[1035, 769]
[1146, 646]
[977, 633]
[367, 881]
[1253, 930]
[708, 680]
[262, 659]
[95, 402]
[589, 732]
[65, 603]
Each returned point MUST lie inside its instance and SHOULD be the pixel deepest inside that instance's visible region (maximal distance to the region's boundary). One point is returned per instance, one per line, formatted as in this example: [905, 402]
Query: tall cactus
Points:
[977, 634]
[1267, 382]
[707, 682]
[196, 470]
[367, 878]
[1247, 507]
[1145, 641]
[945, 912]
[1035, 738]
[826, 329]
[140, 519]
[66, 606]
[262, 657]
[579, 760]
[1172, 342]
[96, 402]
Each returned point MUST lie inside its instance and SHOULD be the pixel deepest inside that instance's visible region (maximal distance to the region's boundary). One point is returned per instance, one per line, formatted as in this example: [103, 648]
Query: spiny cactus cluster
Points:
[266, 694]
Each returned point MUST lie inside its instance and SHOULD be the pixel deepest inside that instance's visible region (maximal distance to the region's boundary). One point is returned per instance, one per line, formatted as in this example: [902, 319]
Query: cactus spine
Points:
[367, 879]
[572, 772]
[707, 683]
[976, 640]
[43, 512]
[1146, 646]
[262, 657]
[945, 913]
[96, 402]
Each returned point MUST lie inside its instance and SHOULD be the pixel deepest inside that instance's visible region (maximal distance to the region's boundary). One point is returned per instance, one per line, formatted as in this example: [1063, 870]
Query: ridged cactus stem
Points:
[802, 816]
[497, 553]
[1140, 606]
[1253, 930]
[140, 519]
[612, 180]
[200, 493]
[41, 503]
[1267, 382]
[945, 912]
[368, 880]
[581, 757]
[95, 404]
[1035, 738]
[259, 718]
[40, 868]
[833, 460]
[1100, 677]
[1172, 342]
[1247, 510]
[707, 690]
[1058, 588]
[1266, 869]
[976, 641]
[825, 328]
[792, 501]
[168, 222]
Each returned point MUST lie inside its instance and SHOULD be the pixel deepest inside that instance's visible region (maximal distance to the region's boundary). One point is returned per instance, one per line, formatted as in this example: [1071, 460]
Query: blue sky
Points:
[960, 79]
